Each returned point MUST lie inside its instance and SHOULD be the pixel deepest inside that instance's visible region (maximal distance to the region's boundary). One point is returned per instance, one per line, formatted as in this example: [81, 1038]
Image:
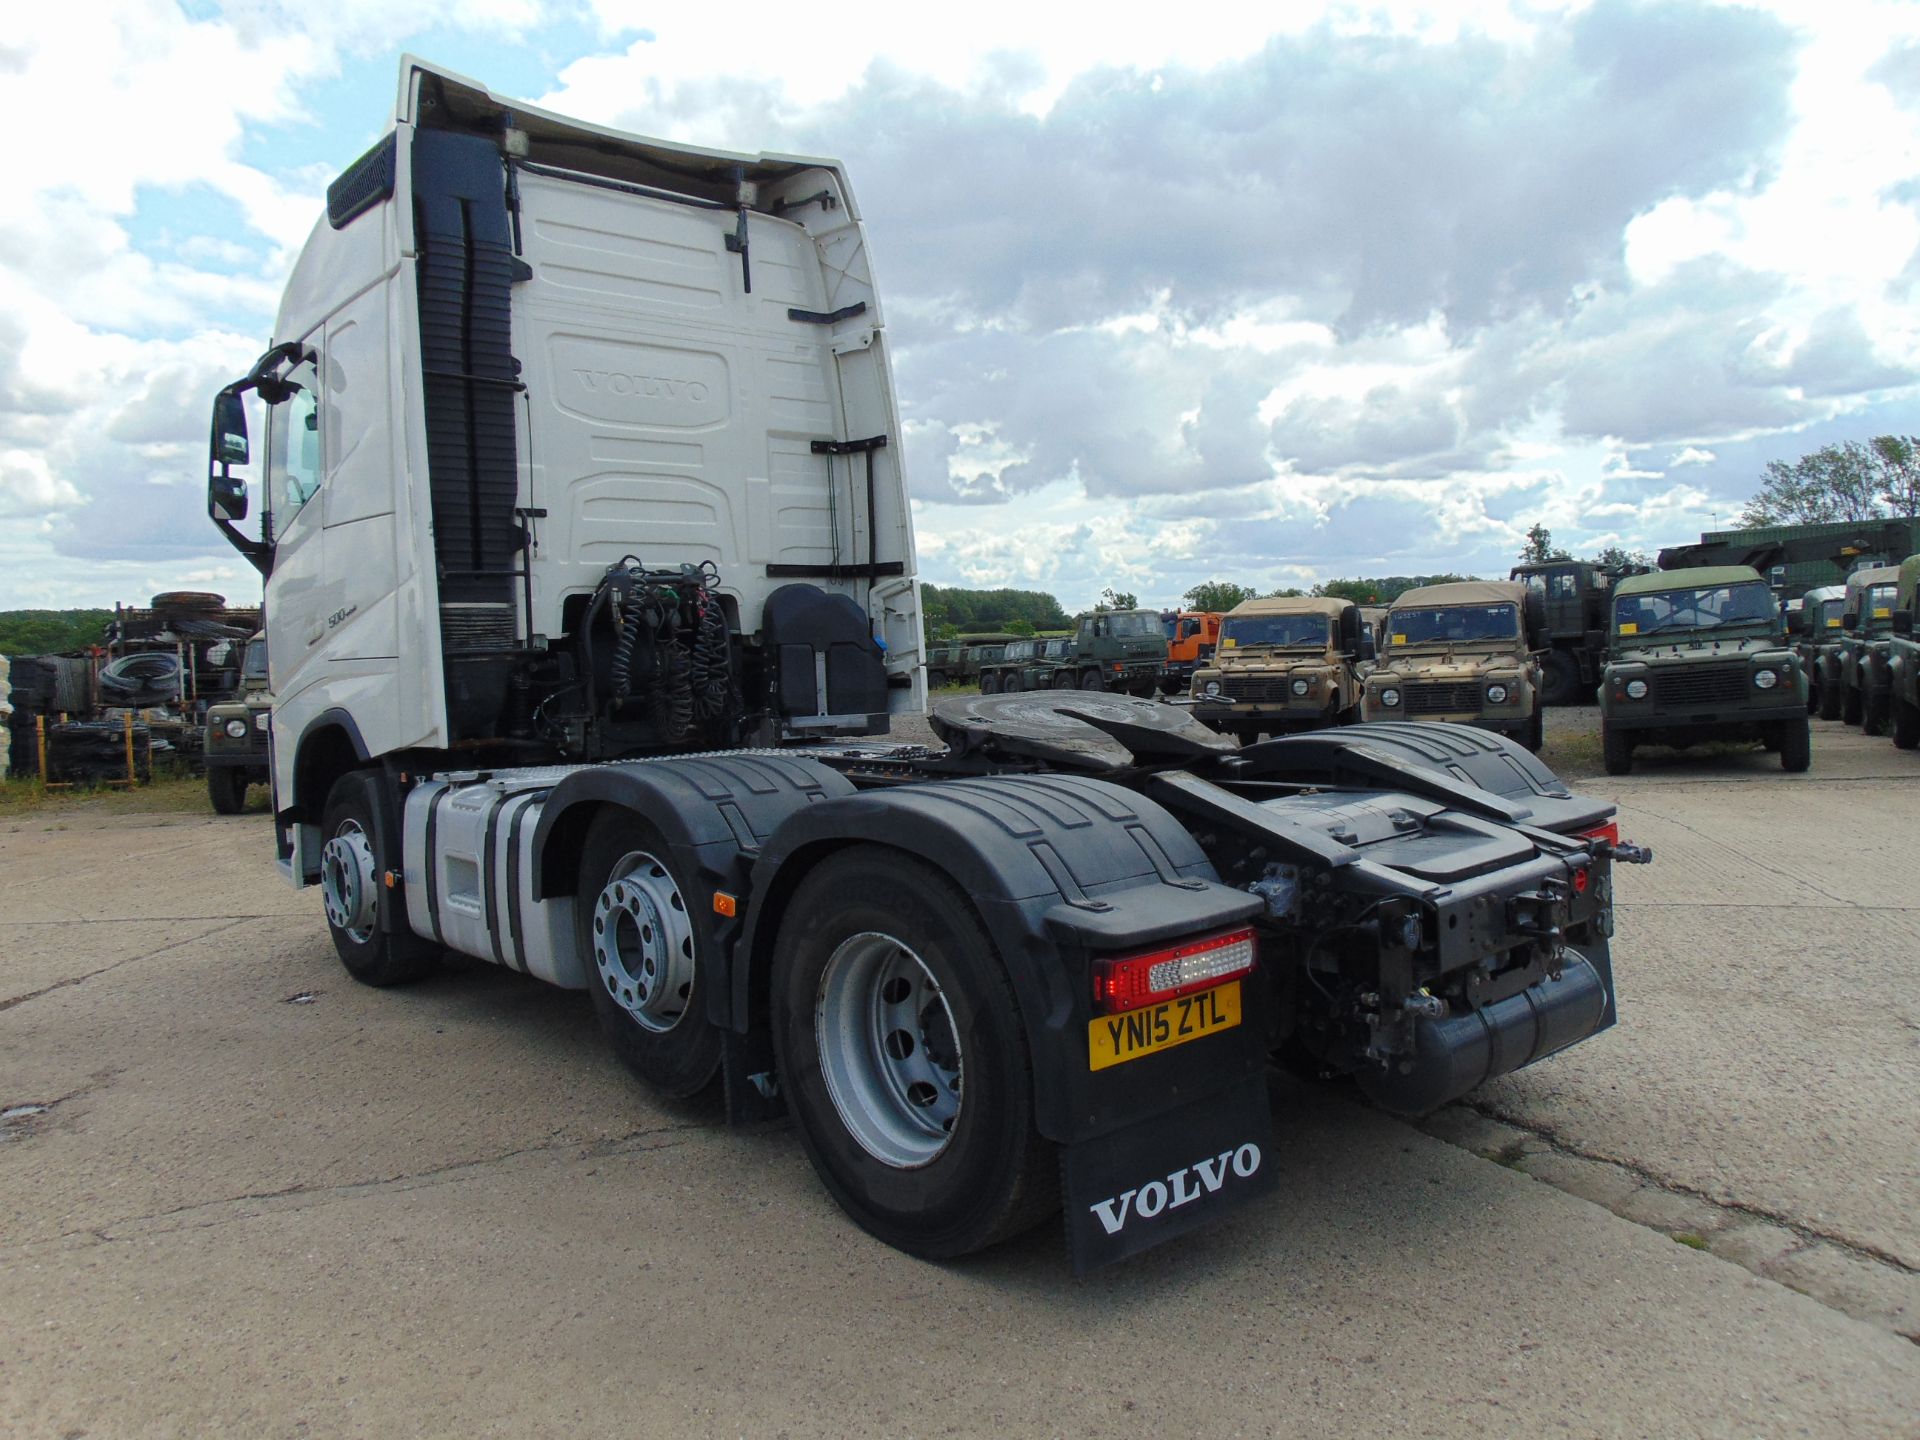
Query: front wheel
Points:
[1560, 679]
[637, 935]
[1616, 750]
[1063, 681]
[936, 679]
[1874, 713]
[1535, 738]
[989, 684]
[903, 1056]
[1796, 746]
[353, 857]
[227, 788]
[1829, 699]
[1906, 724]
[1092, 681]
[1852, 710]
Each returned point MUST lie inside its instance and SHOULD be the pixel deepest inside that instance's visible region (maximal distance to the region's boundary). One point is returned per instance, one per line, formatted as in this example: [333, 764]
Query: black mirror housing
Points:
[1850, 620]
[228, 443]
[1902, 622]
[226, 497]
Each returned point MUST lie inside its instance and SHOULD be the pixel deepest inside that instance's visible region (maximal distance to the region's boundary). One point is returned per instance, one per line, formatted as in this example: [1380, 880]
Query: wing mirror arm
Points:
[228, 445]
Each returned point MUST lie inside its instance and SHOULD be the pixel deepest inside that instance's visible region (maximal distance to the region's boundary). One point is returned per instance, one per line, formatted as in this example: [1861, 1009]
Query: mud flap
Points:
[1128, 1191]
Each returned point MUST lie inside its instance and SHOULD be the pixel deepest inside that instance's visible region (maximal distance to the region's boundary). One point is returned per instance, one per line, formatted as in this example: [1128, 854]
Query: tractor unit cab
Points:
[1698, 655]
[1192, 638]
[1284, 665]
[513, 343]
[1866, 626]
[1463, 651]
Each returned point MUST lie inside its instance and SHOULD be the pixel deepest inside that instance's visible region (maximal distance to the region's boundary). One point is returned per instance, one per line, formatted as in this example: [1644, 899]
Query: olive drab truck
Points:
[591, 600]
[1462, 652]
[1865, 628]
[1284, 665]
[1903, 657]
[1573, 597]
[1700, 655]
[1124, 650]
[1815, 631]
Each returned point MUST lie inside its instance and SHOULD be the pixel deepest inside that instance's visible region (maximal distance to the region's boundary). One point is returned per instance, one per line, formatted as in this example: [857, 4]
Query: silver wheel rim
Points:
[643, 942]
[347, 886]
[889, 1050]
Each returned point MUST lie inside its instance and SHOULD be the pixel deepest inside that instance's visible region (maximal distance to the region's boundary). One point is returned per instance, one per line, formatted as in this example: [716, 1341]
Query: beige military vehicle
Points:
[1284, 665]
[1463, 652]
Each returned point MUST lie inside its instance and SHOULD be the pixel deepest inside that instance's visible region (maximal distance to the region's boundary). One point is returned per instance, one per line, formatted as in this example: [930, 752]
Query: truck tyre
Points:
[936, 679]
[1852, 710]
[989, 684]
[1829, 700]
[1874, 713]
[1813, 693]
[1092, 680]
[1616, 750]
[887, 995]
[1535, 738]
[1906, 724]
[638, 938]
[227, 788]
[1063, 681]
[1796, 746]
[1560, 679]
[352, 859]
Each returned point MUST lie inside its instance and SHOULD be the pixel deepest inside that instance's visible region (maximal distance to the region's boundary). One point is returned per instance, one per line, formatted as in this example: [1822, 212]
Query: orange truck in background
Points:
[1192, 637]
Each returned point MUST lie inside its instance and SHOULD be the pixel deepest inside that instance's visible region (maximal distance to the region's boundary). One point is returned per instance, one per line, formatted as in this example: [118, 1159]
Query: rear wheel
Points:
[1616, 749]
[1796, 746]
[1906, 724]
[989, 684]
[227, 788]
[1063, 681]
[1092, 680]
[353, 857]
[902, 1053]
[637, 933]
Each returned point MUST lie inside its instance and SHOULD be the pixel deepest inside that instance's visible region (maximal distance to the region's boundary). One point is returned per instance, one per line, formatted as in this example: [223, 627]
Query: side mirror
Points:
[227, 496]
[229, 440]
[1902, 623]
[1850, 620]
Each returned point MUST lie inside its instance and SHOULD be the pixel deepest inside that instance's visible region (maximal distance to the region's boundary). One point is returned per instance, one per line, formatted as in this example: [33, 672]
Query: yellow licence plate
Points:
[1114, 1039]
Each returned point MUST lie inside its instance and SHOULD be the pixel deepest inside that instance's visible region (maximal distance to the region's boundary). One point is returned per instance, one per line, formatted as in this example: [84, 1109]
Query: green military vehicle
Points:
[1697, 655]
[1574, 596]
[236, 736]
[1037, 663]
[958, 661]
[1903, 657]
[1283, 665]
[1463, 651]
[1866, 626]
[1122, 650]
[1816, 640]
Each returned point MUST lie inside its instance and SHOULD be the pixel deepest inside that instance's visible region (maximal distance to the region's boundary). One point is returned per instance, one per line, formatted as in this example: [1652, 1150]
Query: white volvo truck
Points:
[591, 597]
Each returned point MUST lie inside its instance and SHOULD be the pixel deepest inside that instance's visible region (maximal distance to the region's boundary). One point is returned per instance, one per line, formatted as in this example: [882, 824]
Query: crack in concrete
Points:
[130, 1227]
[12, 1000]
[1807, 1234]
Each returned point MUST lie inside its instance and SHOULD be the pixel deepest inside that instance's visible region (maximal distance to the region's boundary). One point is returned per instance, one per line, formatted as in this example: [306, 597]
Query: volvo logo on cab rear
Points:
[1182, 1187]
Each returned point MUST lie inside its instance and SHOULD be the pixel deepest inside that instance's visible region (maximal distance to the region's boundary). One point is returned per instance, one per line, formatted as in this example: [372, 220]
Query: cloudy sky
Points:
[1190, 293]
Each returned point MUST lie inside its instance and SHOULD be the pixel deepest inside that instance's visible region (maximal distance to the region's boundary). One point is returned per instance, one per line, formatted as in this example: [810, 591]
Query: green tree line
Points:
[47, 632]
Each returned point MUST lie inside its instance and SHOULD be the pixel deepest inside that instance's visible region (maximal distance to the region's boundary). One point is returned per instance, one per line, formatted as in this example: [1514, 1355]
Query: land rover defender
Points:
[1463, 651]
[1284, 665]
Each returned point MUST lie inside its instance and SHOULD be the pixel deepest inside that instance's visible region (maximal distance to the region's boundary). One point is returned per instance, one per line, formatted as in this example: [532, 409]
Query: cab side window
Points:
[293, 451]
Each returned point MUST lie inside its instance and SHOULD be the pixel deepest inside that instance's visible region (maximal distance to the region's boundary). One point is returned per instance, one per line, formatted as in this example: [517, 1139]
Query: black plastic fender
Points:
[715, 812]
[1060, 868]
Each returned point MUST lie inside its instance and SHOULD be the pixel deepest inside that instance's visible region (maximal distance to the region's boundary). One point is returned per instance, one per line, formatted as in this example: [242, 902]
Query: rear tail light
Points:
[1132, 981]
[1609, 832]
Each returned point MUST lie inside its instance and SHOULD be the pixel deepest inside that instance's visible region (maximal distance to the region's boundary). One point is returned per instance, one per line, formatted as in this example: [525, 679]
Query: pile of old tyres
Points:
[89, 751]
[152, 678]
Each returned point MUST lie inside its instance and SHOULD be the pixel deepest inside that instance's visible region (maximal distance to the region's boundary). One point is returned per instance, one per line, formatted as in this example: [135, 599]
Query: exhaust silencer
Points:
[1454, 1055]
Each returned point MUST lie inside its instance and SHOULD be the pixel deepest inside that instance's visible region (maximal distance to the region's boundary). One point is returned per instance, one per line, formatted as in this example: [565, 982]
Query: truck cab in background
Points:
[1124, 650]
[1573, 596]
[1192, 638]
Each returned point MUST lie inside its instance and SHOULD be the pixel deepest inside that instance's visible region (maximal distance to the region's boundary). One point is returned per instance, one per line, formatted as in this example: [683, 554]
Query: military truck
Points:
[1815, 630]
[1463, 651]
[1192, 637]
[1033, 663]
[1903, 657]
[236, 737]
[1574, 596]
[1699, 655]
[1866, 625]
[958, 661]
[1284, 665]
[1122, 650]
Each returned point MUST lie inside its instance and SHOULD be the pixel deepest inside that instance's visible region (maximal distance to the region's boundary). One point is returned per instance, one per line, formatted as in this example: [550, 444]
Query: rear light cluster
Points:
[1609, 832]
[1136, 980]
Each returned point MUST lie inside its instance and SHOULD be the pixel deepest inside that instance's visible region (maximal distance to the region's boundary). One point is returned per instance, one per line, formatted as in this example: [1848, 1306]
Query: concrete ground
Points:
[242, 1195]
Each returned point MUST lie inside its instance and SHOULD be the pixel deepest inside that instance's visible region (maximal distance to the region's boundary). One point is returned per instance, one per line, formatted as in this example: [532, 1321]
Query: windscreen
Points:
[1830, 613]
[254, 667]
[1134, 626]
[1454, 624]
[1282, 630]
[1710, 608]
[1878, 612]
